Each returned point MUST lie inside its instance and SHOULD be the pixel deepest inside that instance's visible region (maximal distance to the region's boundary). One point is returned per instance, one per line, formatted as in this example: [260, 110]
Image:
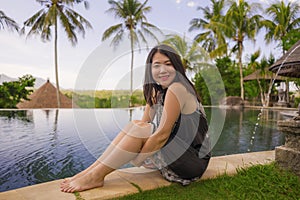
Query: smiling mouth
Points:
[164, 78]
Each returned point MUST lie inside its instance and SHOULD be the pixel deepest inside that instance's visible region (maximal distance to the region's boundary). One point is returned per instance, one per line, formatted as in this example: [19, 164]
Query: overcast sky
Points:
[20, 56]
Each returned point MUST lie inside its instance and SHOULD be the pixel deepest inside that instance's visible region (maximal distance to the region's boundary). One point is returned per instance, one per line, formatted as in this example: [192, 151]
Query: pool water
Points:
[43, 145]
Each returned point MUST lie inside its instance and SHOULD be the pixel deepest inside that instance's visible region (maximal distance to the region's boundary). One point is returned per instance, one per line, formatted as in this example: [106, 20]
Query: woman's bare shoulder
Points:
[177, 88]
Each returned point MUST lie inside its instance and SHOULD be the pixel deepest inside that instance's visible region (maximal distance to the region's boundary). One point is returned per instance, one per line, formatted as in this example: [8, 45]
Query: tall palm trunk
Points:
[56, 64]
[262, 93]
[241, 68]
[131, 66]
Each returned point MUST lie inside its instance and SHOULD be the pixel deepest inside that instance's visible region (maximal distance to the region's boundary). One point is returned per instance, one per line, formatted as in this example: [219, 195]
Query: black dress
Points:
[185, 156]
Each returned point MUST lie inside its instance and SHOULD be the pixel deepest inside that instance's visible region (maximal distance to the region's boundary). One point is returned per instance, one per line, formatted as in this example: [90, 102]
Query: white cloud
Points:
[178, 1]
[191, 4]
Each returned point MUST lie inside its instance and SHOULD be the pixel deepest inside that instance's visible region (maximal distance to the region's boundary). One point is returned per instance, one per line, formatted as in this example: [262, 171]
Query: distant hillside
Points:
[38, 81]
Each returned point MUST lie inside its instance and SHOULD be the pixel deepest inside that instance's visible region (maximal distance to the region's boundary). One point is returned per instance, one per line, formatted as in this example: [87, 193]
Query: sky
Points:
[93, 64]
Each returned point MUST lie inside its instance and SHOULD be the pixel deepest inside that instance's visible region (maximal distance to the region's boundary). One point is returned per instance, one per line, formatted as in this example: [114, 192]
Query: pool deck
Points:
[133, 180]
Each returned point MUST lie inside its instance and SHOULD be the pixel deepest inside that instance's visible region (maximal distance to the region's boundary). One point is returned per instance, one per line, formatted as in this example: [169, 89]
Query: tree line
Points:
[221, 31]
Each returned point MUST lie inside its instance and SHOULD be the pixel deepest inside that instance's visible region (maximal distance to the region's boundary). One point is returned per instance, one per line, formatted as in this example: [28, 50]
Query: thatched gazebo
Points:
[45, 97]
[263, 76]
[289, 63]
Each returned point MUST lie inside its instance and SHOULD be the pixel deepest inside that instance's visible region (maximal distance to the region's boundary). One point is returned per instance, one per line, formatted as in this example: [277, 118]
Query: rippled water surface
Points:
[43, 145]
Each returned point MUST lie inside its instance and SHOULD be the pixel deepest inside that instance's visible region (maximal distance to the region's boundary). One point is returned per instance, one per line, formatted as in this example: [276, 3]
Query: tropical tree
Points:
[52, 12]
[13, 92]
[8, 22]
[241, 24]
[285, 21]
[134, 24]
[213, 38]
[260, 70]
[192, 55]
[209, 86]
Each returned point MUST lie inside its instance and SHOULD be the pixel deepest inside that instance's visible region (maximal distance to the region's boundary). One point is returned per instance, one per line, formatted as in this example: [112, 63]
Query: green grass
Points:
[256, 182]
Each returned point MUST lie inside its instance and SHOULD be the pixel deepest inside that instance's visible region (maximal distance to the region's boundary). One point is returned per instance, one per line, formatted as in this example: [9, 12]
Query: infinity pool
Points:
[43, 145]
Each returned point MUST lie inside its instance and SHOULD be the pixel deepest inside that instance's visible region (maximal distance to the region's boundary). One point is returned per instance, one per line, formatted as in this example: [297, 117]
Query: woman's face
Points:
[163, 71]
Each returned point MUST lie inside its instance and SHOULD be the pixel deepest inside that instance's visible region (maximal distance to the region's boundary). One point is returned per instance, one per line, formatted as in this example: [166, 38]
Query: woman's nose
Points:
[162, 68]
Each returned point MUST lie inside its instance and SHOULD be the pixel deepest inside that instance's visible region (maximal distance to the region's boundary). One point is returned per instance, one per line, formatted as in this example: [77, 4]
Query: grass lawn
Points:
[256, 182]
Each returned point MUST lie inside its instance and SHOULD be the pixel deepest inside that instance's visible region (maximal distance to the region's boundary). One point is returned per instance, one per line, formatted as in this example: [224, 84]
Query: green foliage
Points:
[11, 93]
[283, 24]
[212, 38]
[106, 99]
[51, 13]
[210, 88]
[132, 14]
[297, 83]
[192, 55]
[230, 75]
[290, 39]
[46, 20]
[251, 89]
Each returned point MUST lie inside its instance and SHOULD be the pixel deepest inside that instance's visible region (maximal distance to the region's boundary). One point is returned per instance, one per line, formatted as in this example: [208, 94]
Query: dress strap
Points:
[200, 108]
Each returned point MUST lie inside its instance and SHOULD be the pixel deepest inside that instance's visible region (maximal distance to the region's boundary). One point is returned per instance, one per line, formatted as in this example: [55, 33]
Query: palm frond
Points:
[8, 22]
[112, 30]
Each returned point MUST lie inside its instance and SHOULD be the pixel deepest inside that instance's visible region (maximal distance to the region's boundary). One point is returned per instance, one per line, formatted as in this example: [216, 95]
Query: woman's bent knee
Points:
[138, 129]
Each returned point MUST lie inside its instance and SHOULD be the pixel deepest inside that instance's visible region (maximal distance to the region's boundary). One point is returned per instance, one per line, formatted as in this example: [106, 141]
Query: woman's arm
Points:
[149, 114]
[172, 107]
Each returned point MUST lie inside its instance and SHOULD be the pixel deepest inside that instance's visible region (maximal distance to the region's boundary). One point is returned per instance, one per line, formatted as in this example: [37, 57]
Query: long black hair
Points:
[151, 88]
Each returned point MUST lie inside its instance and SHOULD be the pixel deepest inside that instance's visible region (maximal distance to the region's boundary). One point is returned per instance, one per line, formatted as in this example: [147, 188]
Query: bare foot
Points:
[76, 176]
[82, 183]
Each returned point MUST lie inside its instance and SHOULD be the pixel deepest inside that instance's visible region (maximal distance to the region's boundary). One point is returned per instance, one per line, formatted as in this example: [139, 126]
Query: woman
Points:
[178, 147]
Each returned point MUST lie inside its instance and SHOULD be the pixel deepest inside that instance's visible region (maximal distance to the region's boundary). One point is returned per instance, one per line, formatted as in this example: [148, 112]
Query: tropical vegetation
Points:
[227, 24]
[192, 55]
[220, 34]
[7, 22]
[132, 14]
[283, 23]
[11, 93]
[52, 12]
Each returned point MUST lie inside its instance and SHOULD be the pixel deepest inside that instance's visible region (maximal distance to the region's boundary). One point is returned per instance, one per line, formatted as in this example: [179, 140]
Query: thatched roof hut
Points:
[45, 97]
[289, 62]
[263, 76]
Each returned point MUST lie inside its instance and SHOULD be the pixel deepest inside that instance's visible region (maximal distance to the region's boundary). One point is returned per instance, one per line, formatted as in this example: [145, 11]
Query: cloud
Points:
[178, 1]
[191, 4]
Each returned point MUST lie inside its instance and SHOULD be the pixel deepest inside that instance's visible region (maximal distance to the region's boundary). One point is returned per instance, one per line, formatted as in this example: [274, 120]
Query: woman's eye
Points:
[156, 65]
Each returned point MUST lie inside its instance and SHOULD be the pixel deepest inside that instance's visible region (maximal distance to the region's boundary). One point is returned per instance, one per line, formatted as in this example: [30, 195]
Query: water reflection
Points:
[44, 145]
[240, 136]
[24, 115]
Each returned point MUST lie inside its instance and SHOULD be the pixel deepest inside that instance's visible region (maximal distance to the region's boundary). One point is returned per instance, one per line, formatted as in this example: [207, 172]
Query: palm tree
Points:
[283, 21]
[52, 12]
[192, 55]
[241, 25]
[259, 69]
[5, 21]
[213, 38]
[132, 14]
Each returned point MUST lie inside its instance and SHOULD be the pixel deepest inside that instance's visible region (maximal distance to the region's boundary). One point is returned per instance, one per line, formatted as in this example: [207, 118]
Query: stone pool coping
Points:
[132, 180]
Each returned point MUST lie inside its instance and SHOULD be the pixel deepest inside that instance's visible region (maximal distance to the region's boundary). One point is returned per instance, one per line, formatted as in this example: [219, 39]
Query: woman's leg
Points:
[123, 149]
[115, 141]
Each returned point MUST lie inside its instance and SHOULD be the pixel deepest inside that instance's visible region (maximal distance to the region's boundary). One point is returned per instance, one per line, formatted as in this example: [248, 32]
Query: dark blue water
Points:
[43, 145]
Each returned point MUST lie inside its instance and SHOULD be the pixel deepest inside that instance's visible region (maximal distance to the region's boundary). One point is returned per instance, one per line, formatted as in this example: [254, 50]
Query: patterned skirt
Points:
[158, 162]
